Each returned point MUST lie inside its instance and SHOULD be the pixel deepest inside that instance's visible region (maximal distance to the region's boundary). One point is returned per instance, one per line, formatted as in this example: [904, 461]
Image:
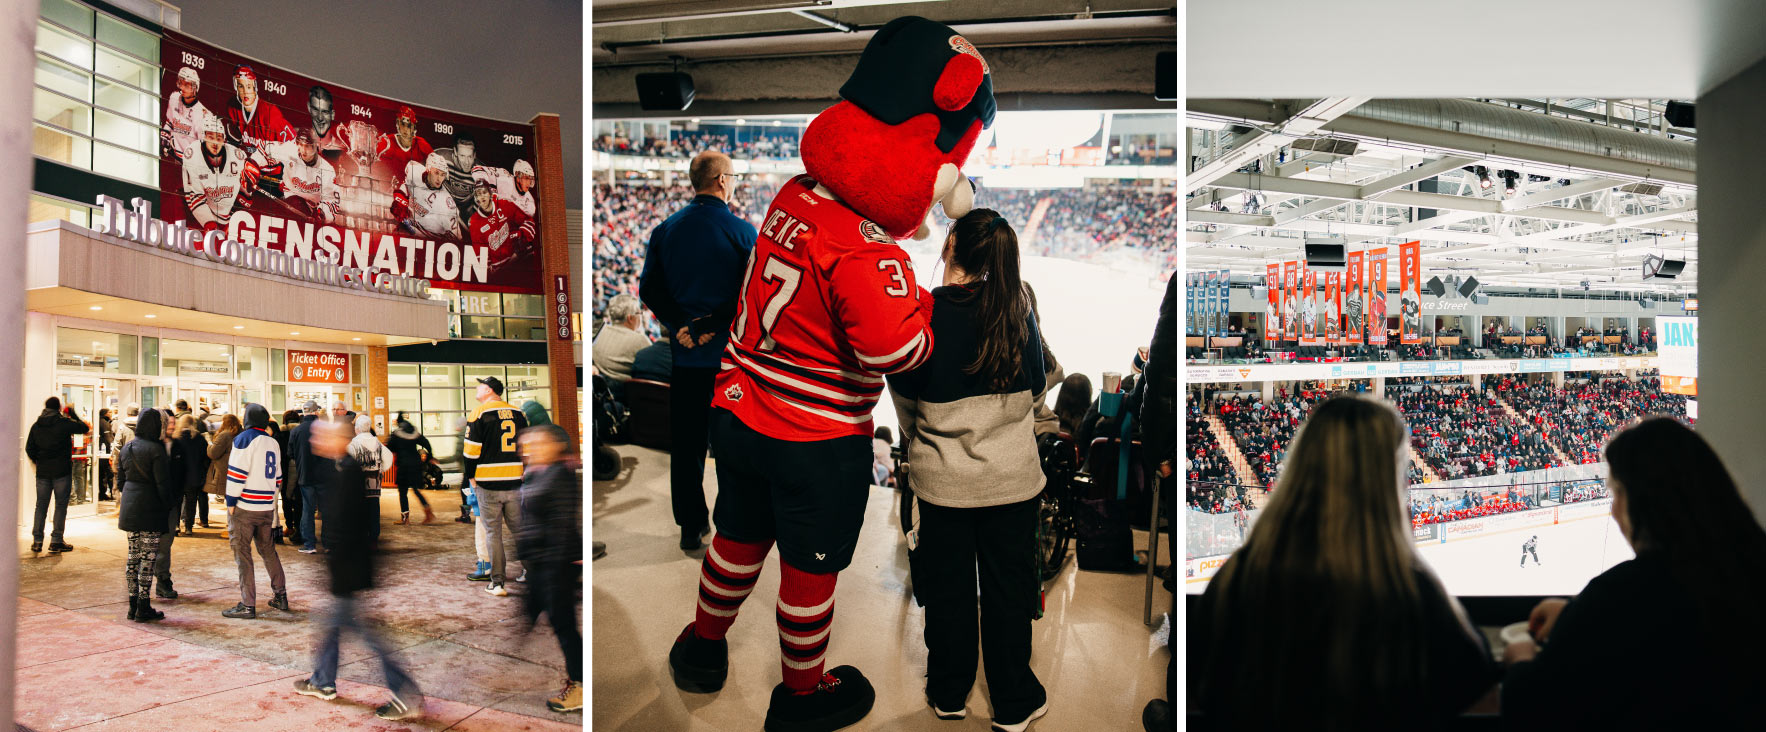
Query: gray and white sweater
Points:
[969, 446]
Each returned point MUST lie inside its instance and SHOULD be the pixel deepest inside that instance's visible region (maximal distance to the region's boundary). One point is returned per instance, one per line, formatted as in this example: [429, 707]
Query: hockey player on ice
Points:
[308, 177]
[182, 129]
[513, 186]
[423, 203]
[220, 178]
[500, 225]
[402, 147]
[462, 160]
[1530, 547]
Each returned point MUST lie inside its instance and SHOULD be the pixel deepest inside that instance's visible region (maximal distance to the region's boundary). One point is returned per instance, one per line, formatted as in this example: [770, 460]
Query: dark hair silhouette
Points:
[984, 246]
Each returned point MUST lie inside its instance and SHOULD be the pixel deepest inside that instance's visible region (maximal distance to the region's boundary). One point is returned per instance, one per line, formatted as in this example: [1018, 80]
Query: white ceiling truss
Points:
[1558, 229]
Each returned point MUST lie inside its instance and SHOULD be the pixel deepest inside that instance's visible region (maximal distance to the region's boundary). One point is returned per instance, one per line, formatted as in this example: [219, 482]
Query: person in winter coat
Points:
[218, 450]
[185, 463]
[409, 452]
[50, 446]
[190, 452]
[552, 544]
[374, 457]
[291, 504]
[105, 433]
[349, 555]
[253, 478]
[306, 465]
[968, 419]
[147, 497]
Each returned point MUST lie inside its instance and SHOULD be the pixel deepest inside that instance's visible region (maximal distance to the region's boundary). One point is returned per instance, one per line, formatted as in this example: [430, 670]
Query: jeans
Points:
[309, 508]
[58, 487]
[245, 530]
[689, 412]
[343, 617]
[499, 509]
[555, 583]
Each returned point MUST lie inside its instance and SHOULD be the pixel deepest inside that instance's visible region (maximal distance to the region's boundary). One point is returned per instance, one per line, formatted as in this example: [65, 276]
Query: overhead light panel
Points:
[1644, 188]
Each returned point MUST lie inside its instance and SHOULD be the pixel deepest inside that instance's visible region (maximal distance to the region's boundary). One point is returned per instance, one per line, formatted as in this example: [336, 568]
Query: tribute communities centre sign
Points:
[284, 162]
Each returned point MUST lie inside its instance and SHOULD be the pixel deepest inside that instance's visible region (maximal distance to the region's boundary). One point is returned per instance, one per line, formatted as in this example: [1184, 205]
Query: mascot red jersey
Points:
[829, 305]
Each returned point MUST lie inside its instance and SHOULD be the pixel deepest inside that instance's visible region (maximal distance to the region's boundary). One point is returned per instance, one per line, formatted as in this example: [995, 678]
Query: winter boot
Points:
[144, 612]
[404, 518]
[133, 604]
[280, 602]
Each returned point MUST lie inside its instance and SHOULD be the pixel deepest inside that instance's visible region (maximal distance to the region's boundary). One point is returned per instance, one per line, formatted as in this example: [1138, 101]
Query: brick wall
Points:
[555, 260]
[377, 394]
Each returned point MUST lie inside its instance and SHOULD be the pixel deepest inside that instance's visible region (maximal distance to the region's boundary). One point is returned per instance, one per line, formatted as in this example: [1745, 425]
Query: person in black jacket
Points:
[410, 450]
[1690, 600]
[187, 463]
[349, 543]
[551, 541]
[105, 474]
[144, 508]
[50, 446]
[306, 465]
[1159, 433]
[290, 478]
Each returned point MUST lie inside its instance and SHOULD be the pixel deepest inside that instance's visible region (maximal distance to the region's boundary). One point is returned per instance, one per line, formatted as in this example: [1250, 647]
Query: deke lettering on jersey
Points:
[826, 309]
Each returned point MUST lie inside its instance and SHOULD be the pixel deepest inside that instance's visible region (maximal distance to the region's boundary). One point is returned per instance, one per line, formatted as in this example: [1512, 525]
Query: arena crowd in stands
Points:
[688, 144]
[624, 217]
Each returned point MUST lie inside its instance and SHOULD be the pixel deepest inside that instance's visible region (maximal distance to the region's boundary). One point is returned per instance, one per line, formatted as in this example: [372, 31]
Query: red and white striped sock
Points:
[806, 615]
[725, 578]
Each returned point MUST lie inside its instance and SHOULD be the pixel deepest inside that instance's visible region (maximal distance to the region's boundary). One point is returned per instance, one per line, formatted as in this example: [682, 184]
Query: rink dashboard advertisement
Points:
[318, 171]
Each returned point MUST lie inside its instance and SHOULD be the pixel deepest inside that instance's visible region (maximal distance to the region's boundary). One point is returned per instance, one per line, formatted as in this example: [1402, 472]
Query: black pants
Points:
[1000, 541]
[553, 591]
[411, 486]
[105, 477]
[195, 505]
[689, 404]
[291, 502]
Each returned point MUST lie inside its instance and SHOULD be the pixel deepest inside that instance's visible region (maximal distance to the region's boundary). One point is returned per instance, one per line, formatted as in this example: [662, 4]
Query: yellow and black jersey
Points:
[490, 452]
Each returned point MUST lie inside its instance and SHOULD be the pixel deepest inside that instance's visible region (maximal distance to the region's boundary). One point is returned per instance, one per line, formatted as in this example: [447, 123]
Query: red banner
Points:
[1333, 333]
[318, 171]
[1376, 296]
[319, 367]
[1308, 306]
[1410, 292]
[1290, 301]
[1272, 316]
[1355, 299]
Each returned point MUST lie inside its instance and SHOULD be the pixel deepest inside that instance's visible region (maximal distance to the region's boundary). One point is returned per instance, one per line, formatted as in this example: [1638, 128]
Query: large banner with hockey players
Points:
[1291, 301]
[318, 171]
[1272, 316]
[1192, 292]
[1410, 292]
[1376, 296]
[1353, 300]
[1308, 306]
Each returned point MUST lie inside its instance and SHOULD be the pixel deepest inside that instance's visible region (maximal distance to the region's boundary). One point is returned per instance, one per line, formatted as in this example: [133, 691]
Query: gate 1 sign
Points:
[561, 326]
[321, 367]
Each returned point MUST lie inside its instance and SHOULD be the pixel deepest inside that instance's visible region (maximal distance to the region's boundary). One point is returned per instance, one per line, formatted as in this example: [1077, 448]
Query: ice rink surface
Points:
[1570, 555]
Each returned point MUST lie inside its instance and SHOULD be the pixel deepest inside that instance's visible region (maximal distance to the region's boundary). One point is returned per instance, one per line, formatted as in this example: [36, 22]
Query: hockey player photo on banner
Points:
[1352, 299]
[1272, 284]
[1291, 301]
[1223, 302]
[1209, 306]
[1192, 290]
[1376, 296]
[1308, 306]
[1333, 322]
[1410, 292]
[318, 171]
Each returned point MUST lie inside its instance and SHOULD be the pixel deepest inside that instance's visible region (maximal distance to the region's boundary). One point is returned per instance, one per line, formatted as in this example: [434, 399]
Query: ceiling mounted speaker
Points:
[1682, 115]
[1165, 76]
[1468, 287]
[670, 91]
[1435, 287]
[1327, 257]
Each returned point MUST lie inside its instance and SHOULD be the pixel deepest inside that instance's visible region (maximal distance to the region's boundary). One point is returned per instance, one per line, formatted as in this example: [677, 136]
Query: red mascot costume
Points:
[828, 306]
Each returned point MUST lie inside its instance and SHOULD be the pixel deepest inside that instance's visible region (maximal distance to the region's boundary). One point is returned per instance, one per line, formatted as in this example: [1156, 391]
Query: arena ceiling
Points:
[1587, 207]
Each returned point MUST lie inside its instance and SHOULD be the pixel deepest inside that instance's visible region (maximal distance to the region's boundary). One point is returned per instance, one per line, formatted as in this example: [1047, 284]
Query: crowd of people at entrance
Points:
[314, 481]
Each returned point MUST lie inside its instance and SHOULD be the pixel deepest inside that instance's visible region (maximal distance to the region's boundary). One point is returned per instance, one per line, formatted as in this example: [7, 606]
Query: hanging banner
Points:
[1410, 292]
[1272, 324]
[1224, 307]
[1192, 315]
[1376, 296]
[1291, 301]
[1208, 304]
[1308, 306]
[1353, 300]
[1216, 316]
[286, 162]
[1333, 308]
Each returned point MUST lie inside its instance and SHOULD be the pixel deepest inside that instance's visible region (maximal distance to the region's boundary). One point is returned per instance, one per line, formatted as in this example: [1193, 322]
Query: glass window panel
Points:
[254, 363]
[64, 79]
[447, 449]
[401, 374]
[150, 356]
[112, 127]
[534, 305]
[478, 303]
[474, 373]
[528, 376]
[279, 402]
[126, 348]
[278, 364]
[480, 327]
[48, 209]
[441, 375]
[126, 99]
[249, 396]
[198, 360]
[129, 38]
[524, 329]
[403, 400]
[443, 400]
[61, 111]
[358, 368]
[519, 397]
[68, 13]
[128, 70]
[126, 164]
[61, 146]
[64, 45]
[443, 425]
[92, 351]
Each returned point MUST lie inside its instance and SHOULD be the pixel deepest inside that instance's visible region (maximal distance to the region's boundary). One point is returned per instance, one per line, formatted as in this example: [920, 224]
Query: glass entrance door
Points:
[81, 395]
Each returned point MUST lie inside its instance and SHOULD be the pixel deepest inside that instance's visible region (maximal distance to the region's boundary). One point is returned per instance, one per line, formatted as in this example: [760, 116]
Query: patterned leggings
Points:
[138, 572]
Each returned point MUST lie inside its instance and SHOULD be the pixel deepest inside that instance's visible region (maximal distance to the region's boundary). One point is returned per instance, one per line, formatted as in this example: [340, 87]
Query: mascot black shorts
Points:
[808, 496]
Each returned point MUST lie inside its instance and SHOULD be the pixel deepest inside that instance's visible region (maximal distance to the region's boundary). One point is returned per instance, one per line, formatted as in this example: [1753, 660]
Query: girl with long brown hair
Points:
[1326, 619]
[968, 422]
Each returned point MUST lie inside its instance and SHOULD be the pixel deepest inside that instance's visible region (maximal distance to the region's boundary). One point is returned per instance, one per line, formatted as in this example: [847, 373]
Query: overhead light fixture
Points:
[355, 339]
[239, 327]
[1483, 174]
[1508, 181]
[294, 332]
[150, 315]
[96, 307]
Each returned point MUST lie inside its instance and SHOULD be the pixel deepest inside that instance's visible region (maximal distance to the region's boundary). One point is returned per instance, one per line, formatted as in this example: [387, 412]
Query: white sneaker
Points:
[523, 577]
[1024, 725]
[960, 712]
[497, 590]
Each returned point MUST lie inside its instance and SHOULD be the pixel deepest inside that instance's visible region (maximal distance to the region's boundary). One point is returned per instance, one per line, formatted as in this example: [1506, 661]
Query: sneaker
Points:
[569, 699]
[396, 708]
[481, 573]
[523, 578]
[496, 588]
[280, 602]
[699, 665]
[843, 697]
[241, 611]
[58, 547]
[306, 687]
[309, 550]
[600, 549]
[960, 712]
[1156, 717]
[1023, 724]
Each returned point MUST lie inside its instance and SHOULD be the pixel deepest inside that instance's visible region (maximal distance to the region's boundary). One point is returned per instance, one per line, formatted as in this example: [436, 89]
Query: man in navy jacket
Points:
[692, 276]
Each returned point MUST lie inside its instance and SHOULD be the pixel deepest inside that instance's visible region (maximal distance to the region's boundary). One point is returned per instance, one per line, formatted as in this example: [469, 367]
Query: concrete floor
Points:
[1098, 660]
[83, 665]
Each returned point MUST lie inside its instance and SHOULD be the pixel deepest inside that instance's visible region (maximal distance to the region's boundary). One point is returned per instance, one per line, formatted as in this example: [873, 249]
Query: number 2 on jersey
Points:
[509, 436]
[789, 277]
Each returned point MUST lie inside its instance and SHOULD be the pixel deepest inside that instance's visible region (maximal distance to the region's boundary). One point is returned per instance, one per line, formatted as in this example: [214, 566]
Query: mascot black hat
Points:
[899, 77]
